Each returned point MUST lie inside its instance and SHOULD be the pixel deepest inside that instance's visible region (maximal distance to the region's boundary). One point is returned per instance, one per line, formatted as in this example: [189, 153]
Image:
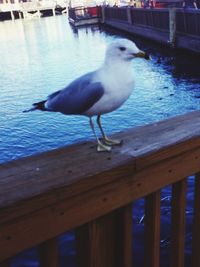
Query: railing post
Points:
[196, 224]
[48, 253]
[152, 230]
[106, 241]
[178, 223]
[128, 10]
[102, 14]
[172, 27]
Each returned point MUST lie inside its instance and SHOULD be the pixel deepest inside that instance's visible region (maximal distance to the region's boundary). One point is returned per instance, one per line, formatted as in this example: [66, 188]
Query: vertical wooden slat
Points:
[48, 253]
[196, 225]
[178, 223]
[106, 241]
[152, 230]
[5, 263]
[124, 231]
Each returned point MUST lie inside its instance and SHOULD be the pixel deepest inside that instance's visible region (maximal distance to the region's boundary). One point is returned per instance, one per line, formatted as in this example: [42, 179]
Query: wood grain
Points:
[152, 230]
[148, 144]
[178, 223]
[5, 263]
[45, 195]
[196, 223]
[48, 253]
[106, 241]
[75, 211]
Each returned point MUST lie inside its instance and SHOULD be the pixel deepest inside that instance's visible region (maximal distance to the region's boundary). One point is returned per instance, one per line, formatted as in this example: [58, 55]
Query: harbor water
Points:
[38, 57]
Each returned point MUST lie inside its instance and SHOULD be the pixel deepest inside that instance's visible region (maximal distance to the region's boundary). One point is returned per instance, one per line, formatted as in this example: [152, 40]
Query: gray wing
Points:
[77, 97]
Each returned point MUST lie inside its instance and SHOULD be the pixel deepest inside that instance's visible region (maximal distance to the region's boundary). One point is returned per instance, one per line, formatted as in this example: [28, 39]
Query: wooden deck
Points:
[75, 187]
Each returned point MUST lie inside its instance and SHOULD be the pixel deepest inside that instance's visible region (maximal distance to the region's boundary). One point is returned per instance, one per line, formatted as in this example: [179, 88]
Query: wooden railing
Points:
[45, 195]
[148, 17]
[116, 13]
[176, 27]
[156, 18]
[187, 21]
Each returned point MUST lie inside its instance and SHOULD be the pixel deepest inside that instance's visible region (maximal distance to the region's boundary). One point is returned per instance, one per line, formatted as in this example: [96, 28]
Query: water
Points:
[40, 56]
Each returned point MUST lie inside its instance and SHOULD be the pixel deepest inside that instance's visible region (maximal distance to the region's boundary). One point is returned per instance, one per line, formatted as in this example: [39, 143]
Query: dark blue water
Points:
[40, 56]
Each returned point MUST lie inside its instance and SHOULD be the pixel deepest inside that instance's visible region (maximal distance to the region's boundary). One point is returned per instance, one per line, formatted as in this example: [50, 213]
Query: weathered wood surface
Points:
[152, 230]
[159, 24]
[178, 223]
[151, 33]
[48, 253]
[196, 232]
[53, 191]
[106, 241]
[5, 263]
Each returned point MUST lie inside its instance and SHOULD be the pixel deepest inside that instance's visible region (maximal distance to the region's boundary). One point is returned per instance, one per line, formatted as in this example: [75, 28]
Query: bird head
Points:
[124, 50]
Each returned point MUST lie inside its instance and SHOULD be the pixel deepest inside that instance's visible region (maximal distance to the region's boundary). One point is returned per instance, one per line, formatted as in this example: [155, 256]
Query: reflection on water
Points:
[43, 55]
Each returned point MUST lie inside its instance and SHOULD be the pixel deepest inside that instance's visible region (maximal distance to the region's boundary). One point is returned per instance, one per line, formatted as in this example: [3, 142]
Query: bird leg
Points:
[100, 146]
[107, 140]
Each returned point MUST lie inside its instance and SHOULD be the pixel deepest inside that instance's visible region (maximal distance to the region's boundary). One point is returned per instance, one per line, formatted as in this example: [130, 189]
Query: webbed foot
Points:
[112, 142]
[102, 148]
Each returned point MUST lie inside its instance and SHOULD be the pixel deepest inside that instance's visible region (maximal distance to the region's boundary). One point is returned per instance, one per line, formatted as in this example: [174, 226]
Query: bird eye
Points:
[122, 48]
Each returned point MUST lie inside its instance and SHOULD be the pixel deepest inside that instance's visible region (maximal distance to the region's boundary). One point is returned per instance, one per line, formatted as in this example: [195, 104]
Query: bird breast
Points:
[118, 87]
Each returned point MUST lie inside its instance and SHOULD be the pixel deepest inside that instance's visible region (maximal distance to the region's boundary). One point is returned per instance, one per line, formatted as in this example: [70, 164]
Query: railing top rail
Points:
[160, 9]
[185, 10]
[40, 174]
[157, 9]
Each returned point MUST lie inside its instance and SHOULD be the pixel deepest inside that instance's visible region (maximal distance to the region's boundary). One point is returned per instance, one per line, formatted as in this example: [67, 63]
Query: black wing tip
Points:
[37, 106]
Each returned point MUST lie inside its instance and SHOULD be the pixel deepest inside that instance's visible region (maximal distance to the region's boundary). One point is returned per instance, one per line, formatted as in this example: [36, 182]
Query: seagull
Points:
[98, 92]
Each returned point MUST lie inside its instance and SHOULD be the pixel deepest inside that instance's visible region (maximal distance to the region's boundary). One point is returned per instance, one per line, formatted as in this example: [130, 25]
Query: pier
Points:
[77, 188]
[26, 10]
[174, 27]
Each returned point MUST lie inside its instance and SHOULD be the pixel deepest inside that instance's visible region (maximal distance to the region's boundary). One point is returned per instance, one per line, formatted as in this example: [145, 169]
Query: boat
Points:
[79, 16]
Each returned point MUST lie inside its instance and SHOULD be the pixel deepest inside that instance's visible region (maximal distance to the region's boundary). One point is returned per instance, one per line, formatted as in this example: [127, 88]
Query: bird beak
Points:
[142, 54]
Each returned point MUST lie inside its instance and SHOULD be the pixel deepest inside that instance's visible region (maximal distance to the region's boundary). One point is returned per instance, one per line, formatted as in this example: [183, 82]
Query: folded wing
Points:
[77, 97]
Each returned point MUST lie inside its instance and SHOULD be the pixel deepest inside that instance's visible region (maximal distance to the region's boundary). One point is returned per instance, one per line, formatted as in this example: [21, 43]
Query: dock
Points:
[174, 27]
[27, 10]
